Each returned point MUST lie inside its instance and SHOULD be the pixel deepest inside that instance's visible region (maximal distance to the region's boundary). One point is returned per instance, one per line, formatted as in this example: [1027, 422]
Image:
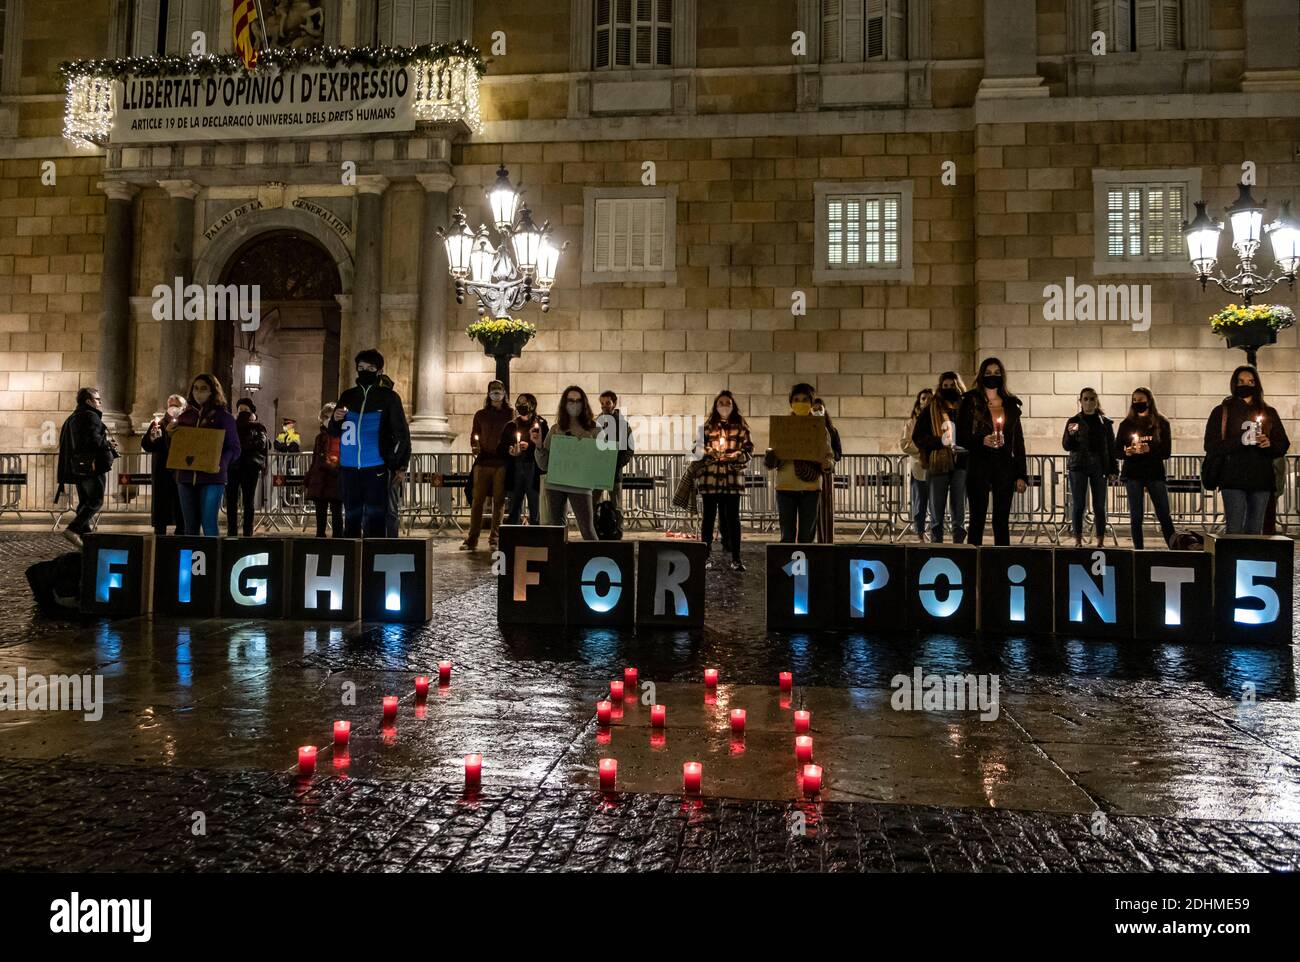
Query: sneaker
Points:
[73, 537]
[708, 565]
[466, 546]
[738, 565]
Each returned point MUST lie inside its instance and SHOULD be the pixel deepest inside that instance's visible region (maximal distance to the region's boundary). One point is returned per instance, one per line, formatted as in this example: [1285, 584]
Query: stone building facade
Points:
[856, 193]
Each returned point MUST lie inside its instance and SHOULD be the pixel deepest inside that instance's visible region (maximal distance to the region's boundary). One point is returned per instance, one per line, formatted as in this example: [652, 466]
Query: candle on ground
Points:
[390, 707]
[342, 732]
[421, 687]
[473, 770]
[738, 721]
[812, 779]
[711, 677]
[604, 711]
[444, 673]
[692, 777]
[802, 722]
[630, 676]
[615, 691]
[786, 680]
[608, 774]
[658, 716]
[307, 760]
[803, 749]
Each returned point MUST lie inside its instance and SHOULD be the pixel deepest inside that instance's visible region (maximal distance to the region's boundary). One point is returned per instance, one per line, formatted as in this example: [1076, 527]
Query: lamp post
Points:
[1246, 218]
[519, 268]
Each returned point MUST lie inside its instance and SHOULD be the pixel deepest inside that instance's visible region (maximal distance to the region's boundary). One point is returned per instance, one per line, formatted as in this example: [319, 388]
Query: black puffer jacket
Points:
[1085, 454]
[1246, 467]
[253, 446]
[84, 434]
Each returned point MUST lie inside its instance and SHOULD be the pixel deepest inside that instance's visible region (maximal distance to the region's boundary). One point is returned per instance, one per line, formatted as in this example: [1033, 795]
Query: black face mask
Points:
[950, 394]
[1140, 407]
[993, 380]
[1244, 391]
[523, 409]
[367, 378]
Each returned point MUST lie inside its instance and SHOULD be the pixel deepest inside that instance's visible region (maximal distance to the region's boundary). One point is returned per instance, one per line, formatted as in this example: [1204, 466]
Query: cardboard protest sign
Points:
[796, 438]
[196, 449]
[581, 463]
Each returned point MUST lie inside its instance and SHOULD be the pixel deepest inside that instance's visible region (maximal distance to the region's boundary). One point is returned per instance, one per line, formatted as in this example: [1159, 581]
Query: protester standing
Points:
[799, 483]
[322, 482]
[573, 419]
[1145, 442]
[988, 426]
[246, 470]
[200, 491]
[944, 460]
[490, 423]
[614, 428]
[1090, 440]
[723, 447]
[164, 508]
[1247, 436]
[374, 448]
[522, 476]
[920, 479]
[826, 503]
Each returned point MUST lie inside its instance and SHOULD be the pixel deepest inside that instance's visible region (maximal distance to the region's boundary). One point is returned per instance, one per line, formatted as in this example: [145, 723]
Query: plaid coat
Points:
[725, 449]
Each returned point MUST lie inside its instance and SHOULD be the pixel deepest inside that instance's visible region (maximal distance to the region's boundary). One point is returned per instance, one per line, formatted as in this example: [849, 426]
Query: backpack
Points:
[609, 522]
[1187, 541]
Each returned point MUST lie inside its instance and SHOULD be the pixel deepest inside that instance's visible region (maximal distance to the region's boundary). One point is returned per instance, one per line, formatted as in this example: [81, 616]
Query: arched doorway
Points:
[298, 338]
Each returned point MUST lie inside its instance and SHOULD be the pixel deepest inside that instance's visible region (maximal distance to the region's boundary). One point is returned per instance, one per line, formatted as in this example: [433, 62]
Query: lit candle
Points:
[803, 749]
[998, 431]
[812, 779]
[608, 774]
[307, 760]
[711, 677]
[473, 770]
[616, 691]
[658, 716]
[802, 721]
[1259, 427]
[422, 687]
[738, 721]
[390, 707]
[444, 673]
[785, 680]
[604, 712]
[692, 777]
[630, 676]
[342, 732]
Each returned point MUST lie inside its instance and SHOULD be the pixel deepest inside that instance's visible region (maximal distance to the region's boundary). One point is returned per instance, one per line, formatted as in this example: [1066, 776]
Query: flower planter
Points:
[507, 345]
[1256, 334]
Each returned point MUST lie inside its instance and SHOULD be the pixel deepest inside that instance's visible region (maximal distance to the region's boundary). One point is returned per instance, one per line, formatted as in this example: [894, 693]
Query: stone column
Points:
[113, 364]
[429, 428]
[1272, 46]
[175, 337]
[368, 280]
[1011, 50]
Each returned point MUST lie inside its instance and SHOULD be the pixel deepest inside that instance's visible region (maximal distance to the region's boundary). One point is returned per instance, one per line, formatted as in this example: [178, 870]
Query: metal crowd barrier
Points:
[872, 490]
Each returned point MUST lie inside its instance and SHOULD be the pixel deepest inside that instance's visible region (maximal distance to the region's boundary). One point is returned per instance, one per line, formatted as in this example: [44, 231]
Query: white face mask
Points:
[724, 410]
[496, 395]
[175, 411]
[574, 408]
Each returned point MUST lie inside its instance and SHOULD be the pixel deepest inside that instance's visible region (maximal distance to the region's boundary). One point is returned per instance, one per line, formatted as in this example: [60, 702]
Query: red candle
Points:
[342, 732]
[802, 722]
[390, 707]
[692, 777]
[711, 677]
[422, 687]
[812, 779]
[615, 691]
[803, 749]
[608, 774]
[630, 676]
[473, 770]
[738, 721]
[786, 680]
[604, 710]
[658, 716]
[444, 673]
[307, 760]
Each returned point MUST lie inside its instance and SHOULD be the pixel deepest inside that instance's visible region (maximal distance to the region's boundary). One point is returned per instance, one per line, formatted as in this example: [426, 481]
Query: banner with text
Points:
[312, 102]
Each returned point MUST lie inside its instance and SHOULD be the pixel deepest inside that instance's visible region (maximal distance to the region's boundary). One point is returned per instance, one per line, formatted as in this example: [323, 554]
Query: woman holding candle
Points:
[920, 486]
[574, 419]
[1248, 436]
[1144, 441]
[322, 481]
[944, 460]
[723, 448]
[799, 483]
[826, 503]
[1090, 440]
[489, 472]
[165, 509]
[522, 476]
[988, 426]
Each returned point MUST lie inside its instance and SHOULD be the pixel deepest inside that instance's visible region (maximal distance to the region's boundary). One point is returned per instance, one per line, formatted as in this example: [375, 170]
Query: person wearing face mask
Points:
[200, 492]
[799, 483]
[246, 470]
[288, 441]
[1144, 442]
[374, 448]
[522, 476]
[1246, 435]
[920, 487]
[489, 472]
[322, 481]
[1090, 440]
[988, 426]
[826, 503]
[573, 419]
[944, 460]
[616, 429]
[723, 447]
[86, 453]
[165, 509]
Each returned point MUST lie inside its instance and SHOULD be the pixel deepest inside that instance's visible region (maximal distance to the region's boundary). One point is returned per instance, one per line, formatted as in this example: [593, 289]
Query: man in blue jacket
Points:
[374, 447]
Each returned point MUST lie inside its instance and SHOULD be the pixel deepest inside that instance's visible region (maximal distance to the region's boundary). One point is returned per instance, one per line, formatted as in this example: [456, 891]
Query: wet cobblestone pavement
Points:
[1105, 757]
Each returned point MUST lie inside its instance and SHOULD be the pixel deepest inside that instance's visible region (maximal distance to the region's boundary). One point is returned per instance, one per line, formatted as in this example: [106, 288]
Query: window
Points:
[857, 30]
[166, 26]
[863, 231]
[629, 234]
[1139, 24]
[633, 33]
[1139, 219]
[409, 23]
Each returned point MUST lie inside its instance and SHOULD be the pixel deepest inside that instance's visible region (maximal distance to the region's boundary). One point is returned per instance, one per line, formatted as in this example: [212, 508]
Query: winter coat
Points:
[164, 509]
[379, 434]
[521, 462]
[322, 481]
[1246, 467]
[975, 423]
[220, 419]
[490, 426]
[1084, 455]
[1149, 466]
[84, 434]
[722, 468]
[253, 445]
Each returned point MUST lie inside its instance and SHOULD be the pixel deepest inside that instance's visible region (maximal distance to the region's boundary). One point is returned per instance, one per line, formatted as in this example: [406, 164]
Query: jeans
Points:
[365, 501]
[920, 505]
[335, 510]
[241, 484]
[489, 482]
[1243, 511]
[90, 498]
[199, 506]
[394, 510]
[583, 511]
[798, 513]
[1159, 492]
[1081, 482]
[950, 488]
[523, 490]
[726, 508]
[990, 477]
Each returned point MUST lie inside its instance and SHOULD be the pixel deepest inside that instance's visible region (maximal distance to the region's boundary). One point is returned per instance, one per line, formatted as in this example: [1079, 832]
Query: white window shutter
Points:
[831, 44]
[896, 48]
[145, 40]
[655, 240]
[1114, 222]
[1123, 26]
[1148, 25]
[403, 23]
[604, 229]
[834, 231]
[854, 27]
[442, 22]
[384, 22]
[422, 23]
[1171, 33]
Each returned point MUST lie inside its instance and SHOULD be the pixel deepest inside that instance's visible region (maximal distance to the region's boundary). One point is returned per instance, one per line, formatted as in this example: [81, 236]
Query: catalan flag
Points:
[245, 45]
